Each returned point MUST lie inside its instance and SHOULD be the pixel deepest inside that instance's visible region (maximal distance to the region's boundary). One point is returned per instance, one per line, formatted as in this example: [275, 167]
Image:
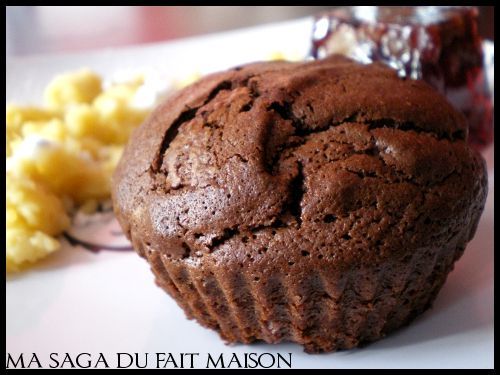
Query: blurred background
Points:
[50, 29]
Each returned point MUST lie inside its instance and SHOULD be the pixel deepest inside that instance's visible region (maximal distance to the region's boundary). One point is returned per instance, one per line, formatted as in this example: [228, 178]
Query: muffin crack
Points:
[243, 231]
[184, 117]
[226, 235]
[296, 190]
[190, 113]
[170, 135]
[303, 129]
[411, 126]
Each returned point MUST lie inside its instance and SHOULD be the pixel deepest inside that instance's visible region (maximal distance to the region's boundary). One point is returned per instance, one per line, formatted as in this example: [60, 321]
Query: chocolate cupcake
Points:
[321, 202]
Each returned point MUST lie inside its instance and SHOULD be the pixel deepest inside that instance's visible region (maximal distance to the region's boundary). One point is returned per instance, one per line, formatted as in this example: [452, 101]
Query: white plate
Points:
[78, 301]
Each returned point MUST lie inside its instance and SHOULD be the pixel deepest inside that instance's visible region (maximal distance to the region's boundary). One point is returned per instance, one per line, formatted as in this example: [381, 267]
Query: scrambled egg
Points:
[61, 156]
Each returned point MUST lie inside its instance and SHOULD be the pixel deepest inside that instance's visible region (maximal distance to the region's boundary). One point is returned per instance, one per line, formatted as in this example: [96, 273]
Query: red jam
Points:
[440, 45]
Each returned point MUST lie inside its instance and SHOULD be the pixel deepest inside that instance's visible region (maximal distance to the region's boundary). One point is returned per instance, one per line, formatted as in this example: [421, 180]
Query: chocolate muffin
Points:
[320, 202]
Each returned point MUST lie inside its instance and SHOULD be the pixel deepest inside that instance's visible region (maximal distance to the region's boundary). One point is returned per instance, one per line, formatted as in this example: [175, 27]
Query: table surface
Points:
[106, 302]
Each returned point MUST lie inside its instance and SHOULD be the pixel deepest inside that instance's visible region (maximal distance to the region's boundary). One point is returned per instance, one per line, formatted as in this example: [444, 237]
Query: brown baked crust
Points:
[319, 202]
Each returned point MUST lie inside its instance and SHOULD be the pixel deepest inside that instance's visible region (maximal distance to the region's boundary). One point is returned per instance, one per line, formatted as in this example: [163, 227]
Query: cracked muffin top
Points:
[272, 163]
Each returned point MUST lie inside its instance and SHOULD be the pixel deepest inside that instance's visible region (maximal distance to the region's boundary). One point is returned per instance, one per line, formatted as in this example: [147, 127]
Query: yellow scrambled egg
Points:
[61, 156]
